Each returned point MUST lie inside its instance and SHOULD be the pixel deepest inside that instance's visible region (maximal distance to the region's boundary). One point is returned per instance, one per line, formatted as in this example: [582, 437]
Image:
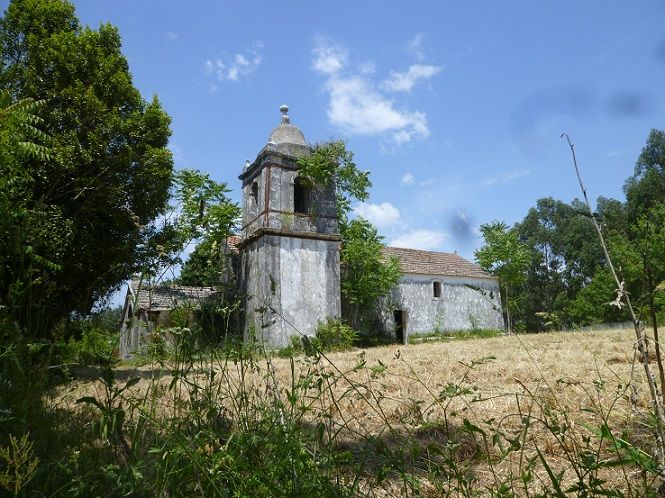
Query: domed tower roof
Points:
[286, 134]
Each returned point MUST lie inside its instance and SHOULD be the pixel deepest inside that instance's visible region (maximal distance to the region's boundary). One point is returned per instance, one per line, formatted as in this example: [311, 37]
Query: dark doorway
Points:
[400, 326]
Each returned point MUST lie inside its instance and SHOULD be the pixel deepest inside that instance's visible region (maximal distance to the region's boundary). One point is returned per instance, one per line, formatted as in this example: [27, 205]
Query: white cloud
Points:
[408, 179]
[508, 177]
[329, 59]
[357, 106]
[235, 68]
[404, 82]
[367, 68]
[172, 36]
[415, 47]
[382, 215]
[420, 239]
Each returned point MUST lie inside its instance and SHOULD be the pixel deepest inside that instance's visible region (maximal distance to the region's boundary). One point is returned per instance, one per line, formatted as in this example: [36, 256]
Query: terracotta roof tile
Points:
[434, 263]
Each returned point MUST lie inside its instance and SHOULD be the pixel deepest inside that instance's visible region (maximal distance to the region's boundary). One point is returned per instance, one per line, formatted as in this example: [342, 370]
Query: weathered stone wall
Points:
[289, 261]
[310, 283]
[291, 284]
[275, 177]
[465, 303]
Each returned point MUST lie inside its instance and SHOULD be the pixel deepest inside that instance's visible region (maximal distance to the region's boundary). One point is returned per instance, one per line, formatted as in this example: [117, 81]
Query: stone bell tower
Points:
[289, 249]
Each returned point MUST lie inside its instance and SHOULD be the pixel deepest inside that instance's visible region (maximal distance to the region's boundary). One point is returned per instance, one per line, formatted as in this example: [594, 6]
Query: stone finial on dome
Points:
[286, 133]
[284, 109]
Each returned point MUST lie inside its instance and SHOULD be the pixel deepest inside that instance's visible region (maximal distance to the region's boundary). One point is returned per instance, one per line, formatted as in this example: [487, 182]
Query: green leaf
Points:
[90, 400]
[471, 428]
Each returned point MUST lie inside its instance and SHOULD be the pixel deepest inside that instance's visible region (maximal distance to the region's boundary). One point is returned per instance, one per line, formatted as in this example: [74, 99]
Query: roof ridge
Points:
[420, 250]
[420, 261]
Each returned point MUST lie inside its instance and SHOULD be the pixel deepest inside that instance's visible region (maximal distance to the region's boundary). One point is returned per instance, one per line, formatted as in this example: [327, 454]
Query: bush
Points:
[95, 347]
[331, 335]
[335, 335]
[292, 349]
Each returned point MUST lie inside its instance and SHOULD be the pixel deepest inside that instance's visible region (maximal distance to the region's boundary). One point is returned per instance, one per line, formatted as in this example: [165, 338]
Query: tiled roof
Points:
[434, 263]
[160, 298]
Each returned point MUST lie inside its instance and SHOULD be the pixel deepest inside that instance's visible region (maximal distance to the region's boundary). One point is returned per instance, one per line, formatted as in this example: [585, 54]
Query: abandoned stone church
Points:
[289, 263]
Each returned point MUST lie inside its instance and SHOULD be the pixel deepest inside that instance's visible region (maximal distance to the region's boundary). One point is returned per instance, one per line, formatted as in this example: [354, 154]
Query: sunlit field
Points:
[521, 412]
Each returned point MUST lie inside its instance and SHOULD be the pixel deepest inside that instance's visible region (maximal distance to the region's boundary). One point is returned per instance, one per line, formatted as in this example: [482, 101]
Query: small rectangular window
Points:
[437, 289]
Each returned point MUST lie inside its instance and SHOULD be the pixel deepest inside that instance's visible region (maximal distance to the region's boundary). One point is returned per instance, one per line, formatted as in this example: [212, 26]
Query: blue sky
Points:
[456, 108]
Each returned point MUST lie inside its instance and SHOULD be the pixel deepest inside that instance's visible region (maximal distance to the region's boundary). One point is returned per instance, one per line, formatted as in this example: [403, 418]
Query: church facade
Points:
[290, 260]
[288, 271]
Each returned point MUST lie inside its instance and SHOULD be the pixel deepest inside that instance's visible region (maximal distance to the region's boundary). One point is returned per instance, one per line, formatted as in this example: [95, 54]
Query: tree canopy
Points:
[566, 281]
[205, 215]
[93, 200]
[366, 275]
[332, 162]
[645, 188]
[504, 255]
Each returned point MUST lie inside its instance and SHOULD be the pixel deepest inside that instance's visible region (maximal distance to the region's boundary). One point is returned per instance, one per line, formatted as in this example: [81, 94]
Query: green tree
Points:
[333, 162]
[504, 255]
[206, 215]
[366, 275]
[645, 235]
[204, 266]
[203, 207]
[109, 173]
[639, 255]
[645, 188]
[21, 139]
[565, 256]
[593, 303]
[23, 225]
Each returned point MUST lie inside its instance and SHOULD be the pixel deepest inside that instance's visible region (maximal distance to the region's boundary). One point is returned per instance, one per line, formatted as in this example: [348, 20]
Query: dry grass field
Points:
[456, 418]
[582, 378]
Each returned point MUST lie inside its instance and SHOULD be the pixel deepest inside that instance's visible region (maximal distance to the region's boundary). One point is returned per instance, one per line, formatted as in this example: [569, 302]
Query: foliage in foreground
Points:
[230, 425]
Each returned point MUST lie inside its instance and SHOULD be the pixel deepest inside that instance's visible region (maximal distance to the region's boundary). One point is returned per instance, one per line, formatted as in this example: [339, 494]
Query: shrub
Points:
[335, 335]
[96, 347]
[294, 348]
